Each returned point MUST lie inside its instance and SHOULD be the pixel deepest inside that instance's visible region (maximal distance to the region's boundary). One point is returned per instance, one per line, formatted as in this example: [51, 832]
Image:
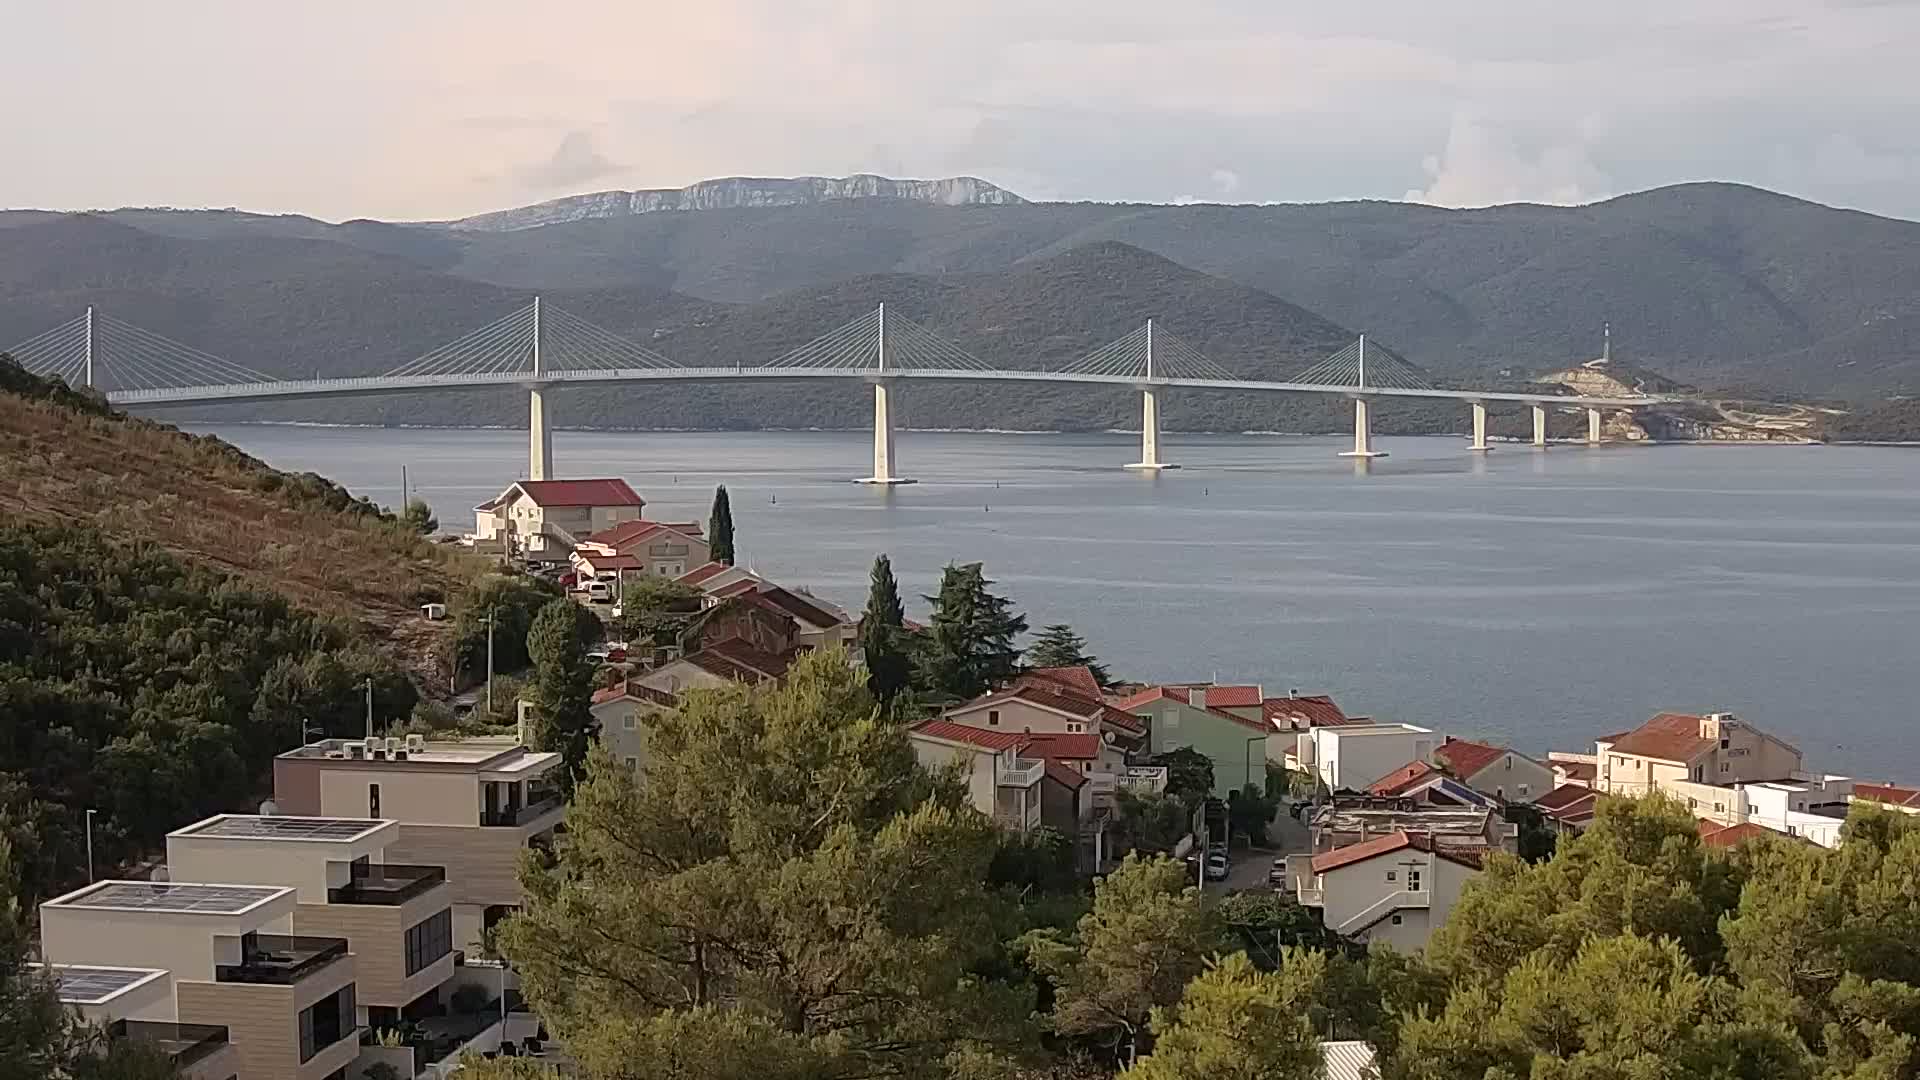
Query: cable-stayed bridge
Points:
[539, 347]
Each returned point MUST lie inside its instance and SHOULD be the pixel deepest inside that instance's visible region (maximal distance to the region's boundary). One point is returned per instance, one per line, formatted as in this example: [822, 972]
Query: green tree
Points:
[418, 516]
[1189, 774]
[36, 1037]
[1147, 935]
[656, 610]
[1236, 1022]
[969, 644]
[720, 528]
[1059, 646]
[785, 867]
[1250, 811]
[511, 600]
[1150, 822]
[883, 635]
[563, 683]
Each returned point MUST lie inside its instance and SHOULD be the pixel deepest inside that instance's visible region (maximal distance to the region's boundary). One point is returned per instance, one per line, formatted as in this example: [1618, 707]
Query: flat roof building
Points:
[116, 998]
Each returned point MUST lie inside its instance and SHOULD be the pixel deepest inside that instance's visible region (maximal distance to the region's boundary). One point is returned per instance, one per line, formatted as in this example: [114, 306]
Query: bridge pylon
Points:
[1479, 443]
[1150, 418]
[883, 388]
[1539, 426]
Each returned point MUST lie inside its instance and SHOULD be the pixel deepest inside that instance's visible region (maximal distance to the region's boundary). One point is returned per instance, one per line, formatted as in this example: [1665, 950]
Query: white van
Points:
[599, 592]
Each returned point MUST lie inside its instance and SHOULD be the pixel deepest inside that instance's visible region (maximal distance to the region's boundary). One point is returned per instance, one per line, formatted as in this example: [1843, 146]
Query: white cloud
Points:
[1484, 166]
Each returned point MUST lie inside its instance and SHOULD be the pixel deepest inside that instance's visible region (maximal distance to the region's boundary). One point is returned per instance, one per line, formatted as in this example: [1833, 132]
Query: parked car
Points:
[599, 592]
[1217, 866]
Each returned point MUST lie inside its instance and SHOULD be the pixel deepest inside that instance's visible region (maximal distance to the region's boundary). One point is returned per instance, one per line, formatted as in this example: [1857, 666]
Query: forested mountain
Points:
[1716, 285]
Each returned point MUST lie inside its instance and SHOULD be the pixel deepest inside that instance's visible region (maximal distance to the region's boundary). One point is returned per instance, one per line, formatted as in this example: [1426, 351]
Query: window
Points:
[993, 717]
[1413, 880]
[1724, 767]
[1396, 920]
[627, 721]
[1509, 765]
[632, 762]
[429, 940]
[1390, 876]
[327, 1021]
[1523, 789]
[1074, 728]
[1724, 743]
[1693, 804]
[373, 800]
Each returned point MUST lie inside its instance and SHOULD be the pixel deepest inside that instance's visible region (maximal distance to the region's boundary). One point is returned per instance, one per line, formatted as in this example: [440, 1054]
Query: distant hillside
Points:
[735, 192]
[1714, 285]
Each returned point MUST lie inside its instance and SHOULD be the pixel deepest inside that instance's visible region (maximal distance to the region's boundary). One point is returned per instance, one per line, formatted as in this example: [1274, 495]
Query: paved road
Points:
[1249, 867]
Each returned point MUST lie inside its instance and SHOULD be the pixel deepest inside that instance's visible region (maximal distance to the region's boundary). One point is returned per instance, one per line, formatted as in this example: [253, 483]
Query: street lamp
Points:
[90, 814]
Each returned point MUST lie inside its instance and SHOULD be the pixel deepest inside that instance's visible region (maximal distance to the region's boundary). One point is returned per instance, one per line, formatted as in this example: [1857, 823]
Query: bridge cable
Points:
[491, 349]
[599, 349]
[852, 345]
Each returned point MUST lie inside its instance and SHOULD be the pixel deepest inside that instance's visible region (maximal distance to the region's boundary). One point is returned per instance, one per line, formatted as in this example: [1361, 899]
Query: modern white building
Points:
[1352, 756]
[120, 999]
[1395, 889]
[1808, 807]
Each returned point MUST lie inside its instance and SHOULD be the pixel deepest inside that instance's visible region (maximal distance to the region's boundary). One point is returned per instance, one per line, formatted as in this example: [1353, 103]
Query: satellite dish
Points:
[159, 874]
[269, 808]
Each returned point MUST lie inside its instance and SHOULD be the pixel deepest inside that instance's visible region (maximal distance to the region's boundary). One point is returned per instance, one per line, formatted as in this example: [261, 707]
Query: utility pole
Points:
[369, 706]
[403, 491]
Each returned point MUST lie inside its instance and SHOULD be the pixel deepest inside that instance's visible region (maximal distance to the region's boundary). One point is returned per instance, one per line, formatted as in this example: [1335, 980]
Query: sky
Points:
[422, 109]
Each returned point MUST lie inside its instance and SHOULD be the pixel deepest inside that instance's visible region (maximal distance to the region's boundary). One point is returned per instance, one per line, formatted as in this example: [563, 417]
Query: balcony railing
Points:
[281, 960]
[520, 815]
[184, 1044]
[1144, 779]
[387, 884]
[1024, 773]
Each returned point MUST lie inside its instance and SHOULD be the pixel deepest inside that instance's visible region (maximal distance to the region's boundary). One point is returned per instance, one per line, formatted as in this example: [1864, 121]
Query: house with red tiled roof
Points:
[1892, 796]
[1495, 770]
[726, 661]
[821, 624]
[1397, 888]
[1099, 734]
[622, 710]
[1186, 718]
[1715, 835]
[1569, 807]
[749, 617]
[657, 548]
[1569, 768]
[1403, 779]
[1298, 712]
[1003, 780]
[1078, 680]
[1696, 759]
[543, 520]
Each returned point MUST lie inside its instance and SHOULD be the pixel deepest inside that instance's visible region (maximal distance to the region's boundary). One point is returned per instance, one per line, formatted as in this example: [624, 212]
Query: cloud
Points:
[1225, 181]
[574, 161]
[1484, 166]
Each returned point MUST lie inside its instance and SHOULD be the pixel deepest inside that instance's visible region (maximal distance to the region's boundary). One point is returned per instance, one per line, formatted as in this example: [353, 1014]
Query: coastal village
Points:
[347, 926]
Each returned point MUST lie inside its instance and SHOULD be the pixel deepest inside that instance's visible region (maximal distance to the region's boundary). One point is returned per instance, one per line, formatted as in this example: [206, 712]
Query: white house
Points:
[1814, 809]
[1000, 782]
[622, 710]
[546, 519]
[653, 548]
[1396, 888]
[1352, 756]
[1495, 770]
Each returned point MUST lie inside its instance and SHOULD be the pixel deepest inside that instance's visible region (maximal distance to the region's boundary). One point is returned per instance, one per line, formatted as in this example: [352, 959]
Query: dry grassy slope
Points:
[205, 501]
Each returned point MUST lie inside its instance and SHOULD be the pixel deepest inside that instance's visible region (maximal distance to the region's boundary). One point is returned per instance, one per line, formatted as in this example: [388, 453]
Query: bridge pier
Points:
[1362, 433]
[539, 437]
[1479, 444]
[882, 437]
[1593, 427]
[1539, 426]
[1150, 433]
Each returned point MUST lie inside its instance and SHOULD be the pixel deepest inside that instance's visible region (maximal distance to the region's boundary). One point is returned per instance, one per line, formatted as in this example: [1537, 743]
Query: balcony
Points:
[279, 959]
[1144, 779]
[185, 1045]
[1024, 773]
[509, 816]
[387, 885]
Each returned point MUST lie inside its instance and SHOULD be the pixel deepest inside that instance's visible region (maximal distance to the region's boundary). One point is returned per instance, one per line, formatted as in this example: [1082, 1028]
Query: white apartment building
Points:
[1000, 782]
[288, 1001]
[470, 806]
[1396, 888]
[1351, 757]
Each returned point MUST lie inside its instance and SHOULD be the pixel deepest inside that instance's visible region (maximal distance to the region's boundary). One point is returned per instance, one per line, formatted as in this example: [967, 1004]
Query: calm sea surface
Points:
[1539, 598]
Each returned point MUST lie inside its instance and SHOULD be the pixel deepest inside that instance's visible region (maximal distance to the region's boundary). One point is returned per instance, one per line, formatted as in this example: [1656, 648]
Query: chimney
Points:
[1198, 696]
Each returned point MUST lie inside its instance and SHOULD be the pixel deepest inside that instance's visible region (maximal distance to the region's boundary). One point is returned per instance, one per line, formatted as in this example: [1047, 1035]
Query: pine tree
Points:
[883, 636]
[720, 528]
[969, 645]
[1059, 646]
[1236, 1022]
[563, 683]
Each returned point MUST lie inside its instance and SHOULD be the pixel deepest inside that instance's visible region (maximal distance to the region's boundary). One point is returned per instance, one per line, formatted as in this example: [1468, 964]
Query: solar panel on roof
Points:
[89, 986]
[289, 828]
[159, 896]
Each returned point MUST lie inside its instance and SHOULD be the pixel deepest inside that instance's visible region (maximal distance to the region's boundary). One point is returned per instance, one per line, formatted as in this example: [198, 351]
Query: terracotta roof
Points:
[1078, 679]
[1396, 841]
[1667, 737]
[1082, 747]
[610, 491]
[735, 588]
[1318, 710]
[1564, 796]
[1716, 835]
[735, 659]
[1584, 771]
[1402, 778]
[702, 572]
[1180, 694]
[1232, 697]
[800, 607]
[609, 562]
[1072, 778]
[972, 736]
[1054, 696]
[1890, 794]
[1466, 757]
[627, 688]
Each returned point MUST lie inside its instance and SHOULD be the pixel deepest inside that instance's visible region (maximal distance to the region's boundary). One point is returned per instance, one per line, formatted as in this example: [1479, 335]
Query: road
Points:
[1249, 867]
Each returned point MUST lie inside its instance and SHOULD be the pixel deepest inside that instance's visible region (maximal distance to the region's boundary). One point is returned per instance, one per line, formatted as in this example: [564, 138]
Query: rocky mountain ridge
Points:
[737, 192]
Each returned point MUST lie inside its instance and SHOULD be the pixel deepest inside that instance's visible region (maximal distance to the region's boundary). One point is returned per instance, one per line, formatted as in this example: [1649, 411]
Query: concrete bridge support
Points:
[1150, 433]
[1479, 444]
[1540, 427]
[883, 437]
[1362, 433]
[1593, 427]
[539, 437]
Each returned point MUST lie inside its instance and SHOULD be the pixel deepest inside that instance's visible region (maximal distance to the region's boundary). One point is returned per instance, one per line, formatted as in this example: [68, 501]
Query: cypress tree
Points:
[883, 635]
[969, 647]
[720, 528]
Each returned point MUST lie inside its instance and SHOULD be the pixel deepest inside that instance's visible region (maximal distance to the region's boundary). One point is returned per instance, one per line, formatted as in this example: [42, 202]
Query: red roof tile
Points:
[1078, 679]
[1071, 777]
[627, 688]
[1317, 710]
[1402, 778]
[610, 491]
[609, 562]
[1667, 737]
[1466, 757]
[1583, 771]
[1054, 696]
[736, 660]
[1716, 835]
[1564, 796]
[702, 572]
[800, 607]
[1383, 845]
[1083, 747]
[1180, 694]
[1233, 697]
[972, 736]
[1890, 794]
[735, 588]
